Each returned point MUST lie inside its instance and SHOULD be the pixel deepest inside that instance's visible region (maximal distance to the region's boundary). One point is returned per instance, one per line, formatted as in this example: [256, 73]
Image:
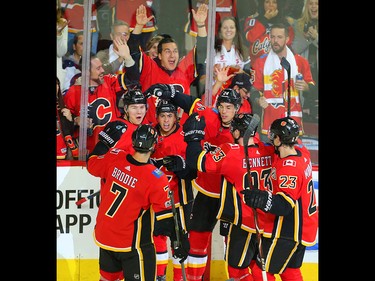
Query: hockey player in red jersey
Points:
[134, 192]
[206, 203]
[169, 157]
[168, 67]
[291, 212]
[135, 108]
[229, 160]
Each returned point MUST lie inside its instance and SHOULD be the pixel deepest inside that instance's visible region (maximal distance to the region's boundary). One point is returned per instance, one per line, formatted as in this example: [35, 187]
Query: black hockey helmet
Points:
[165, 106]
[134, 96]
[230, 96]
[144, 137]
[286, 128]
[240, 122]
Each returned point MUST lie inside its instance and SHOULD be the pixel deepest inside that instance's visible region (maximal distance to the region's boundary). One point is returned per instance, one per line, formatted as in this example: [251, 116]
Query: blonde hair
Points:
[305, 17]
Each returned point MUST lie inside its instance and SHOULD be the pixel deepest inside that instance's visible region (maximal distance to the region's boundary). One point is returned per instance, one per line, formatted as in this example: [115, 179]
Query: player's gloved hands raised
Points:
[194, 128]
[163, 91]
[181, 250]
[256, 198]
[174, 163]
[112, 133]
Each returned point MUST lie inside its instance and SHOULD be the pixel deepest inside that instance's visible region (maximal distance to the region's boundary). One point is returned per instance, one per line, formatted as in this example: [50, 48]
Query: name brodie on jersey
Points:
[124, 177]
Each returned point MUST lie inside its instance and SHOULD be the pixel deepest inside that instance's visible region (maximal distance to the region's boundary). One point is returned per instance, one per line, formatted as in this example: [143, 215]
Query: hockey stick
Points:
[253, 124]
[82, 200]
[284, 63]
[177, 243]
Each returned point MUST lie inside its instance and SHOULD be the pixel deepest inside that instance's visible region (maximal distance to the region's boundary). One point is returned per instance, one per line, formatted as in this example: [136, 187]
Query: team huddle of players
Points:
[152, 143]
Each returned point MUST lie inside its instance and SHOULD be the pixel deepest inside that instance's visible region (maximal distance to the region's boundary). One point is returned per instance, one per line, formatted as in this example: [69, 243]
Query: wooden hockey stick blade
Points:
[83, 200]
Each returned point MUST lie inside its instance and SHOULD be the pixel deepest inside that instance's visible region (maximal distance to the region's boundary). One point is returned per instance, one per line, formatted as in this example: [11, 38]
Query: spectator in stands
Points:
[167, 67]
[103, 95]
[152, 46]
[125, 10]
[72, 63]
[257, 27]
[306, 43]
[61, 41]
[75, 57]
[270, 94]
[74, 13]
[229, 51]
[66, 147]
[112, 62]
[240, 83]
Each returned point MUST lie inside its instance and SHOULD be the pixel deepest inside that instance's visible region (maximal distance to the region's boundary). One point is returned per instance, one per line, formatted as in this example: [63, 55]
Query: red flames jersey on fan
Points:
[102, 107]
[172, 145]
[258, 37]
[124, 217]
[209, 183]
[74, 13]
[229, 161]
[280, 82]
[125, 10]
[292, 177]
[181, 78]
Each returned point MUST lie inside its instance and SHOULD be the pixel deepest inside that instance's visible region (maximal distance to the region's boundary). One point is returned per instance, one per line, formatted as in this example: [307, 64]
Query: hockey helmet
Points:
[165, 106]
[230, 96]
[134, 96]
[286, 128]
[144, 137]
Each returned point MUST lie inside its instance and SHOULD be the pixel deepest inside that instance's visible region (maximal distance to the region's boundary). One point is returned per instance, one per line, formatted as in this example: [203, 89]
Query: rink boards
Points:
[77, 254]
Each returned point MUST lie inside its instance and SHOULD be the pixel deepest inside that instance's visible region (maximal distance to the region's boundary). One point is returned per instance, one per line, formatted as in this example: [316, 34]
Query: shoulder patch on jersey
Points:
[289, 162]
[157, 173]
[115, 150]
[234, 145]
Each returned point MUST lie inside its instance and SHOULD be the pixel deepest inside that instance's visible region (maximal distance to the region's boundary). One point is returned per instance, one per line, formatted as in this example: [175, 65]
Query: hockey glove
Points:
[181, 250]
[194, 128]
[162, 91]
[112, 133]
[256, 198]
[174, 163]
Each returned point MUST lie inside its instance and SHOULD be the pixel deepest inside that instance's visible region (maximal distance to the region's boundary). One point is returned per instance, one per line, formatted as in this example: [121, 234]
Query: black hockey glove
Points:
[162, 91]
[256, 198]
[181, 250]
[194, 128]
[112, 133]
[174, 163]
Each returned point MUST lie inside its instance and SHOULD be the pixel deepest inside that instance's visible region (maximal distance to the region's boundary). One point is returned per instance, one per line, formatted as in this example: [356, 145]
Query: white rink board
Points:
[75, 224]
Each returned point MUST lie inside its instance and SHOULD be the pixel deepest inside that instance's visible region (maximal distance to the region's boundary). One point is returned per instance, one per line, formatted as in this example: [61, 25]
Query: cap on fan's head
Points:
[144, 138]
[242, 80]
[286, 128]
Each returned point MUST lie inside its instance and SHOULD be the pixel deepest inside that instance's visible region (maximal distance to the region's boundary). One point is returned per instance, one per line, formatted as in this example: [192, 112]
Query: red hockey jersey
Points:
[131, 194]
